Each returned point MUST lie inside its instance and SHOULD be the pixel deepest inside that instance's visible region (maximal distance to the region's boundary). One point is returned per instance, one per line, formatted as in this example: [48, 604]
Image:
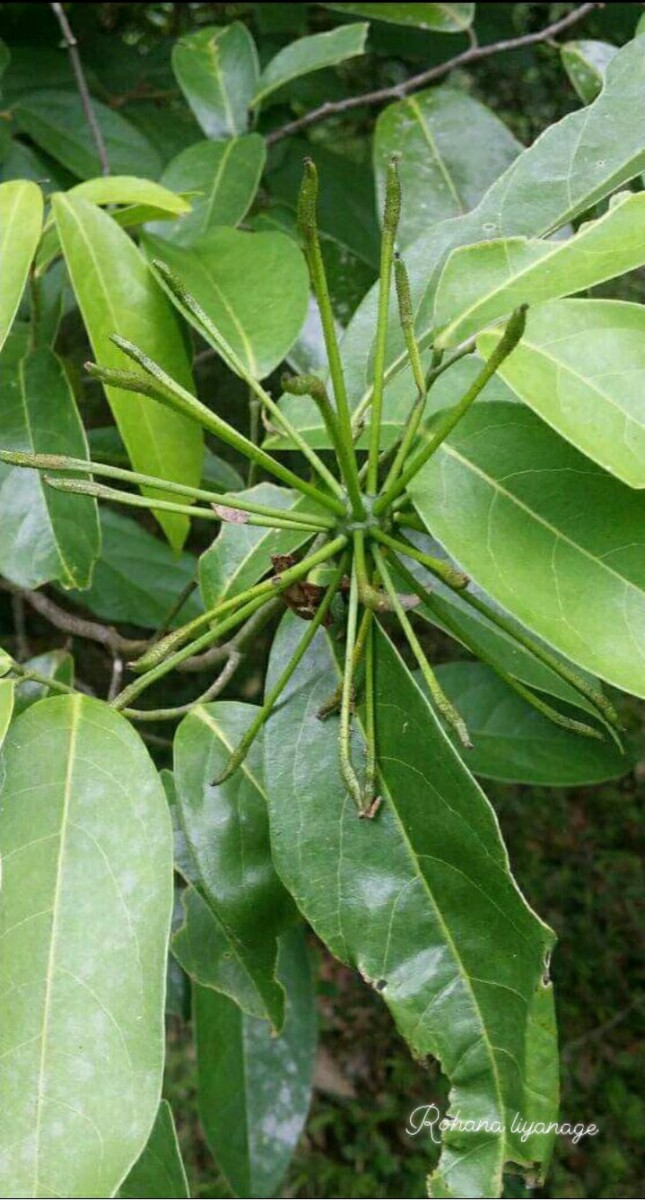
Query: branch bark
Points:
[83, 90]
[474, 54]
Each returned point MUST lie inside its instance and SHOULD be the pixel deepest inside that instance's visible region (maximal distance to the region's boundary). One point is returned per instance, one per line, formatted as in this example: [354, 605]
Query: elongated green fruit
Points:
[83, 487]
[308, 226]
[57, 462]
[172, 395]
[446, 708]
[266, 588]
[507, 343]
[347, 771]
[236, 365]
[390, 225]
[241, 751]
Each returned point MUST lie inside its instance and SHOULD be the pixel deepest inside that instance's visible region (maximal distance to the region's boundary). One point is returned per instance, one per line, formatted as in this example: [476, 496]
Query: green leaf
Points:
[399, 398]
[56, 122]
[452, 149]
[439, 18]
[253, 286]
[548, 534]
[117, 293]
[44, 534]
[346, 203]
[586, 62]
[449, 611]
[227, 832]
[254, 1089]
[217, 70]
[224, 177]
[241, 554]
[87, 898]
[421, 901]
[21, 219]
[568, 169]
[310, 54]
[581, 366]
[55, 664]
[138, 578]
[515, 744]
[129, 189]
[159, 1171]
[6, 706]
[480, 284]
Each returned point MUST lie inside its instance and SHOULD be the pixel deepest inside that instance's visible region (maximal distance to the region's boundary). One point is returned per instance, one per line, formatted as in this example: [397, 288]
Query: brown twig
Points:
[81, 627]
[474, 54]
[83, 90]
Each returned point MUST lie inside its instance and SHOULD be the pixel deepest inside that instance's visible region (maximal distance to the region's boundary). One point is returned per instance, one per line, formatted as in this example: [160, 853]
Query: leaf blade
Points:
[546, 550]
[117, 293]
[19, 201]
[106, 975]
[384, 896]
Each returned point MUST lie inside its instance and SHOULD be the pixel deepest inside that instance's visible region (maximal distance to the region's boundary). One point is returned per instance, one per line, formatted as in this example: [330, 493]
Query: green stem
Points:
[28, 674]
[443, 570]
[266, 588]
[446, 708]
[129, 693]
[308, 225]
[312, 386]
[433, 373]
[471, 644]
[85, 487]
[390, 225]
[241, 751]
[407, 324]
[347, 771]
[56, 462]
[370, 718]
[235, 364]
[511, 336]
[332, 704]
[170, 394]
[600, 702]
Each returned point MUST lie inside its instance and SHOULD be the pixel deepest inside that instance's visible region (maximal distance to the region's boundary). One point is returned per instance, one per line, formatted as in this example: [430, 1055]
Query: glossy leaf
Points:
[55, 121]
[55, 664]
[254, 1089]
[548, 534]
[7, 687]
[421, 901]
[586, 62]
[310, 54]
[581, 366]
[482, 283]
[568, 169]
[117, 293]
[440, 18]
[131, 189]
[137, 577]
[222, 178]
[452, 149]
[480, 635]
[160, 1171]
[217, 70]
[241, 554]
[399, 398]
[84, 966]
[253, 286]
[227, 833]
[515, 744]
[44, 534]
[21, 218]
[346, 201]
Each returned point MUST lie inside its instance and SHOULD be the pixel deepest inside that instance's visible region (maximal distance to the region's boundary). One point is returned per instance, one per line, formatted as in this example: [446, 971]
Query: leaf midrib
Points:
[74, 703]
